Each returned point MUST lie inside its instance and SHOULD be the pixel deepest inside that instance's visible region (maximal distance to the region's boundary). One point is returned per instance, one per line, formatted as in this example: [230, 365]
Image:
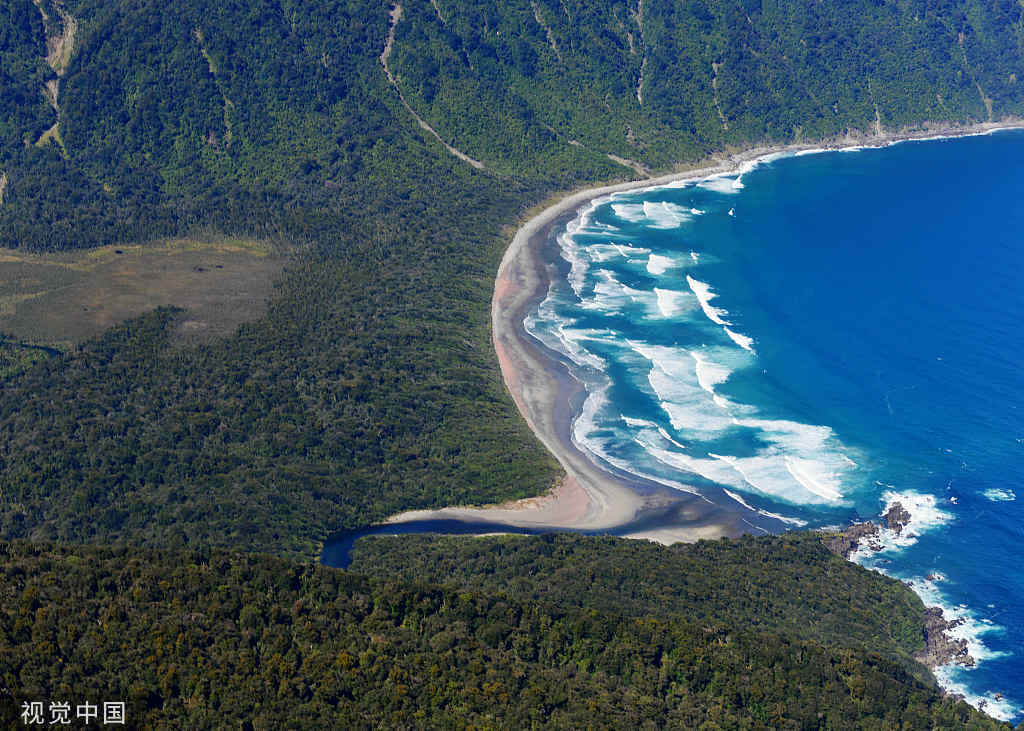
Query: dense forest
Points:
[788, 584]
[392, 174]
[216, 639]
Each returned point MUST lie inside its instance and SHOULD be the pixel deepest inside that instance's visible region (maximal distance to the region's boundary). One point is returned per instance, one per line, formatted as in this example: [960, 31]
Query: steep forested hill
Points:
[212, 639]
[370, 385]
[790, 585]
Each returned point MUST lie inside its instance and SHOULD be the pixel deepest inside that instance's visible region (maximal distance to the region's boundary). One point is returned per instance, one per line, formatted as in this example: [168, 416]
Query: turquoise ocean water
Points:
[815, 338]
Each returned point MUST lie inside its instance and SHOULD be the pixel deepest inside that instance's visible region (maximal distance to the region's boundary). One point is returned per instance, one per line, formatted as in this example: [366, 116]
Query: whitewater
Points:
[813, 339]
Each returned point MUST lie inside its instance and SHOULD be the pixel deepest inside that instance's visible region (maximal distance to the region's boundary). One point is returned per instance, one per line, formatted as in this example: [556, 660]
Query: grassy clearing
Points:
[63, 299]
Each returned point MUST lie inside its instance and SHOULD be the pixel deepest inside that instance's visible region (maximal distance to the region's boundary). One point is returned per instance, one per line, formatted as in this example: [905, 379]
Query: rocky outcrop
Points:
[849, 540]
[940, 647]
[896, 518]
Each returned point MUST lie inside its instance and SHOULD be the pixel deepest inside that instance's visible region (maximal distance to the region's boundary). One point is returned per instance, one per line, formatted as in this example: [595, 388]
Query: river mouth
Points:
[337, 549]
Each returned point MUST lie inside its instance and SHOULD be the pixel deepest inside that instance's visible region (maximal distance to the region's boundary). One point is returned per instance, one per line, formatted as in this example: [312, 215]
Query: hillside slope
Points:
[212, 639]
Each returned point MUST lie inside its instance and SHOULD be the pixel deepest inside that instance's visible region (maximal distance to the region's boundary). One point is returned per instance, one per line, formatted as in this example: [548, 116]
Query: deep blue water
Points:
[819, 337]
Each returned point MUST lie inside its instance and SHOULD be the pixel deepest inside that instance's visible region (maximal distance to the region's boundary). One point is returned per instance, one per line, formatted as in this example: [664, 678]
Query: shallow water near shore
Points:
[814, 339]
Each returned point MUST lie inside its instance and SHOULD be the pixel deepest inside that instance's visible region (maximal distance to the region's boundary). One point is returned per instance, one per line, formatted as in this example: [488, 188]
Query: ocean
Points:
[814, 338]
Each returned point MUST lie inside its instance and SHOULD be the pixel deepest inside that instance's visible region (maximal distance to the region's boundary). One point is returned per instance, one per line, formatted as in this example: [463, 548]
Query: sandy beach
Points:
[591, 497]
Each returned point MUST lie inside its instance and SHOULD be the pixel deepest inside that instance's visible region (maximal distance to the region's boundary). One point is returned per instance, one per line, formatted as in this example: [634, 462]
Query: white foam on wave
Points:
[610, 250]
[578, 261]
[751, 164]
[743, 341]
[784, 518]
[632, 212]
[668, 437]
[721, 184]
[740, 500]
[950, 678]
[646, 423]
[658, 264]
[590, 437]
[611, 295]
[799, 463]
[968, 627]
[654, 214]
[662, 214]
[561, 335]
[808, 473]
[586, 425]
[998, 495]
[925, 515]
[812, 151]
[709, 374]
[674, 382]
[704, 295]
[671, 302]
[628, 250]
[765, 513]
[768, 474]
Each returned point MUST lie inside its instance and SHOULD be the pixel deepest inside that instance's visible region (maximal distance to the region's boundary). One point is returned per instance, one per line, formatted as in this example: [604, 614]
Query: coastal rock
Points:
[896, 518]
[940, 648]
[848, 541]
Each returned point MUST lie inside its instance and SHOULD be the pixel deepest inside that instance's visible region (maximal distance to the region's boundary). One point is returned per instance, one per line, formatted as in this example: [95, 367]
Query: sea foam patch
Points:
[722, 184]
[799, 463]
[952, 678]
[659, 264]
[785, 519]
[1000, 495]
[672, 303]
[653, 214]
[704, 294]
[925, 515]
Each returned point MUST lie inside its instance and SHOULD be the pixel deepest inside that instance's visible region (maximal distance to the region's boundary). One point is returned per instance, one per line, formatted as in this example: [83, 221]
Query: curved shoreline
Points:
[593, 497]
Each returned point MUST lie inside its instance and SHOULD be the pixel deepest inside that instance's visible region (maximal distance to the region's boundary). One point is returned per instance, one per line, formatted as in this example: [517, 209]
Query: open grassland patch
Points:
[65, 298]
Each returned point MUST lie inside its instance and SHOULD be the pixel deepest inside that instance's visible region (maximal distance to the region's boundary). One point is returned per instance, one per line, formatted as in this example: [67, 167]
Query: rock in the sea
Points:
[846, 543]
[896, 518]
[940, 648]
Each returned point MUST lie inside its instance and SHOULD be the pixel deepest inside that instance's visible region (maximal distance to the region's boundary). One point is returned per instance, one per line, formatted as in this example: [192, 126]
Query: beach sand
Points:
[593, 498]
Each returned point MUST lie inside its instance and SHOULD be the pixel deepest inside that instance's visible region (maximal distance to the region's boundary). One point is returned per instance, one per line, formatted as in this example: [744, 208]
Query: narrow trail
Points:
[3, 187]
[395, 16]
[985, 99]
[228, 104]
[714, 87]
[60, 45]
[437, 9]
[639, 18]
[642, 170]
[547, 29]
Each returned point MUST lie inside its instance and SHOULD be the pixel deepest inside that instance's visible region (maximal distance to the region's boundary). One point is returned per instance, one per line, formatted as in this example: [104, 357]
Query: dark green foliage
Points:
[17, 357]
[789, 584]
[210, 639]
[298, 425]
[24, 114]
